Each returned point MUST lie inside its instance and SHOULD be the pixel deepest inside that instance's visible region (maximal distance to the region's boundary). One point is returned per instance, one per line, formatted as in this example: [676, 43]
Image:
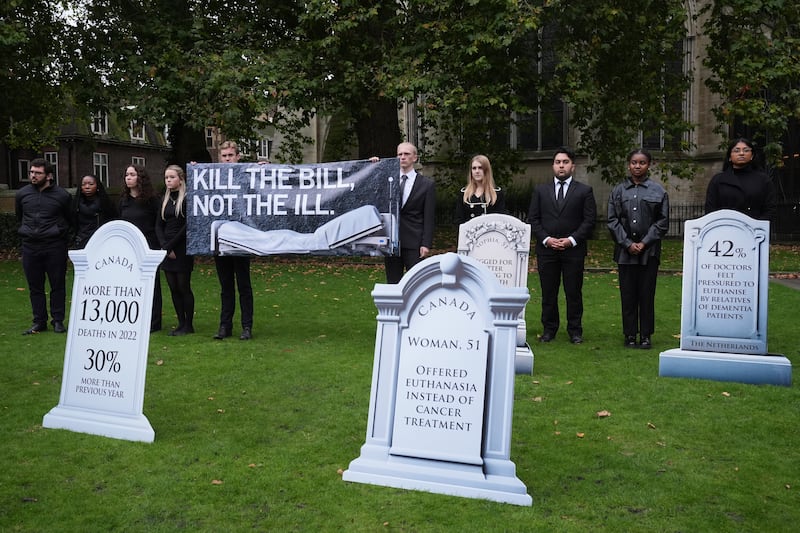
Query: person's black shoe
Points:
[645, 343]
[222, 333]
[576, 339]
[36, 328]
[179, 332]
[630, 341]
[58, 326]
[246, 334]
[546, 337]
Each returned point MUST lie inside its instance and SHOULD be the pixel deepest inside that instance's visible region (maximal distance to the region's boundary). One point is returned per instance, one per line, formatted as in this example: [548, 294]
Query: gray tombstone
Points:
[724, 306]
[502, 243]
[442, 393]
[102, 389]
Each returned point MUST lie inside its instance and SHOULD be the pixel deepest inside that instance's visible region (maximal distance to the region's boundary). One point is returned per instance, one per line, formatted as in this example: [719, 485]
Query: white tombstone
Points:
[724, 305]
[442, 393]
[102, 389]
[502, 243]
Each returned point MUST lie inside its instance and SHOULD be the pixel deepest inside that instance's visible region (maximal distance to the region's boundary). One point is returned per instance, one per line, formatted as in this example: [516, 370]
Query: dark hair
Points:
[101, 189]
[639, 151]
[755, 162]
[143, 184]
[41, 162]
[564, 150]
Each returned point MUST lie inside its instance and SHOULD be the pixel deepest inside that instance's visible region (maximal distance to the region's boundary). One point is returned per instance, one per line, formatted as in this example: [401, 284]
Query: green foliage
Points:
[30, 75]
[619, 67]
[9, 238]
[755, 67]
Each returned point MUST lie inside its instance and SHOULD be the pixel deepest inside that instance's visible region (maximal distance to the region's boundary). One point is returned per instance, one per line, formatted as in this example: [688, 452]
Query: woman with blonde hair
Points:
[481, 195]
[177, 266]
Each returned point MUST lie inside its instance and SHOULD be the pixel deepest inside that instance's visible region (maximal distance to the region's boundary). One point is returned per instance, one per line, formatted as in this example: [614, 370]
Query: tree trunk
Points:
[378, 130]
[188, 144]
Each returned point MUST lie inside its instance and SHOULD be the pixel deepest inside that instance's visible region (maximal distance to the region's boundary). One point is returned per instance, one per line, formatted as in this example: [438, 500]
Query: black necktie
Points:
[403, 179]
[560, 196]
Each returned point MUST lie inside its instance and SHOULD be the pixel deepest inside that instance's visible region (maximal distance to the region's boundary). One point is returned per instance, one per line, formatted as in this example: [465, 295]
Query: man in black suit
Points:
[562, 217]
[417, 215]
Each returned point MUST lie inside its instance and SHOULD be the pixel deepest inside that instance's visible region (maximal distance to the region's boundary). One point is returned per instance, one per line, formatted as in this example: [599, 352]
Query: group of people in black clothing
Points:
[562, 215]
[49, 217]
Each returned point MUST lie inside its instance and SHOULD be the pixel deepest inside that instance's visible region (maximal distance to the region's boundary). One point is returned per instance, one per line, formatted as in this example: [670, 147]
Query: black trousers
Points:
[637, 290]
[553, 268]
[396, 265]
[40, 261]
[233, 272]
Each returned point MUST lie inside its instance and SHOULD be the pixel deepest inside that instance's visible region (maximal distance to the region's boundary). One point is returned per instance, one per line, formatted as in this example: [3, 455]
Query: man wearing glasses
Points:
[43, 213]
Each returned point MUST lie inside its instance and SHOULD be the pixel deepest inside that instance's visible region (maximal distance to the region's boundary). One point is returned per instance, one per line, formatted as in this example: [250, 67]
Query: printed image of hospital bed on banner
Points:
[340, 208]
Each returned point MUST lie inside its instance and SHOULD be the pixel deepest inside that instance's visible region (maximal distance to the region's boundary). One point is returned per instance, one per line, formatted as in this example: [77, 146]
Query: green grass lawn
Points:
[252, 436]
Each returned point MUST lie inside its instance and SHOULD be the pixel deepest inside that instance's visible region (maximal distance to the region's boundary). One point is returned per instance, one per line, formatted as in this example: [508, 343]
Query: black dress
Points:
[171, 232]
[479, 206]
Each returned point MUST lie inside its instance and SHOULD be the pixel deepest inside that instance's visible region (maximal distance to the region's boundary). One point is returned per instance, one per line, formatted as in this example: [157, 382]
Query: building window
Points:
[23, 167]
[137, 161]
[210, 138]
[651, 137]
[137, 130]
[263, 149]
[100, 123]
[545, 127]
[52, 158]
[101, 167]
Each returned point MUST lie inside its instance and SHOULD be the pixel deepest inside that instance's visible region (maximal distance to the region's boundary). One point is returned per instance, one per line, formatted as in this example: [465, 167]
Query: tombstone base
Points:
[453, 479]
[523, 360]
[770, 369]
[134, 428]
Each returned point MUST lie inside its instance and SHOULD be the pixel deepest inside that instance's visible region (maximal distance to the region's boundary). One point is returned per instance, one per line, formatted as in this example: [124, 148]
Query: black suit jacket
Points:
[418, 215]
[576, 217]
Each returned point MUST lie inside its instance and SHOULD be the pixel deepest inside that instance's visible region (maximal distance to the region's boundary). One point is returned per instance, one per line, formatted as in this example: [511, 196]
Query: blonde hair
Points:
[181, 192]
[488, 180]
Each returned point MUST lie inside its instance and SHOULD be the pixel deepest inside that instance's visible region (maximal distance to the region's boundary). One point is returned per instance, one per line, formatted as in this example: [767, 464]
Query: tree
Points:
[31, 75]
[613, 69]
[755, 67]
[184, 63]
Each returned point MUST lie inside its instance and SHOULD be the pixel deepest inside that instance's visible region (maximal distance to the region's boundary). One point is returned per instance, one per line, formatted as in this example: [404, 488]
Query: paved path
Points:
[794, 283]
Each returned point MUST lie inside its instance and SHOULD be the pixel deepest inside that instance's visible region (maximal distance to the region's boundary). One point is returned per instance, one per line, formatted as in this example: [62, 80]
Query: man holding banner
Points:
[417, 215]
[233, 271]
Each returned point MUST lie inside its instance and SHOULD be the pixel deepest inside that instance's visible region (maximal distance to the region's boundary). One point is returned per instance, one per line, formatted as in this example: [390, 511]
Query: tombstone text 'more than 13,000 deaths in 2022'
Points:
[107, 314]
[279, 180]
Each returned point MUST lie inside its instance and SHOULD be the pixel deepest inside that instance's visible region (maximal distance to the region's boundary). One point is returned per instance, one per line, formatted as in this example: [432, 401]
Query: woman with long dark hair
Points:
[139, 205]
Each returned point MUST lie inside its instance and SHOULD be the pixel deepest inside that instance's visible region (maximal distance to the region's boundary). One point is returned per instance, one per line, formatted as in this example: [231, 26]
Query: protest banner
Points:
[339, 208]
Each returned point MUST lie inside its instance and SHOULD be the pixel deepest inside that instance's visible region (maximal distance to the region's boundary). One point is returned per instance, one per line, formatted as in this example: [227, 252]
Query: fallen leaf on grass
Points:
[603, 414]
[221, 411]
[535, 382]
[216, 482]
[21, 289]
[580, 435]
[788, 486]
[340, 471]
[726, 394]
[651, 425]
[557, 433]
[568, 382]
[676, 336]
[159, 362]
[211, 398]
[537, 399]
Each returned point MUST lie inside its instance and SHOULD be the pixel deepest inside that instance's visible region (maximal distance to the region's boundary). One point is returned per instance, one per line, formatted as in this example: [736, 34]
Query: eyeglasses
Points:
[741, 150]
